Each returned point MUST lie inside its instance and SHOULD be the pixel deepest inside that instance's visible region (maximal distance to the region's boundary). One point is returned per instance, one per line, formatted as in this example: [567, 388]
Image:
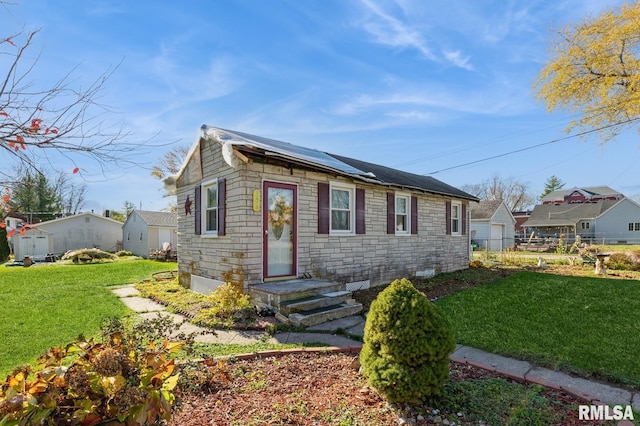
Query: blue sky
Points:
[427, 86]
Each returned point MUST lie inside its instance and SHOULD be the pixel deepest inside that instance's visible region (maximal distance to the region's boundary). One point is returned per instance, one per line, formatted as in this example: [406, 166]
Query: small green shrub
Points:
[228, 306]
[407, 343]
[124, 253]
[206, 376]
[623, 262]
[227, 299]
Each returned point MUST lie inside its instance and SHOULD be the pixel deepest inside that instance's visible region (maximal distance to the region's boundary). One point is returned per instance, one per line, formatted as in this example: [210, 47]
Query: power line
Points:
[586, 132]
[462, 149]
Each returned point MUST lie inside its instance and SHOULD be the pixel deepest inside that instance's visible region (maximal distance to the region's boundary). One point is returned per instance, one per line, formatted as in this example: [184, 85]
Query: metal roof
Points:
[284, 149]
[368, 172]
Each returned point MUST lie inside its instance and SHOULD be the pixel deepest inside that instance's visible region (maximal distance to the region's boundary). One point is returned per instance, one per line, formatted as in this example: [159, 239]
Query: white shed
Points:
[144, 231]
[492, 225]
[84, 230]
[35, 243]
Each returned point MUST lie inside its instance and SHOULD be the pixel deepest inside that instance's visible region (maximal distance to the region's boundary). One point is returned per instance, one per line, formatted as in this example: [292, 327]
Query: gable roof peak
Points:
[486, 209]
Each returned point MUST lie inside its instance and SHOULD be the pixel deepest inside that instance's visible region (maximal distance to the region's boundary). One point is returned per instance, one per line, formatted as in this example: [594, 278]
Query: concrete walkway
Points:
[592, 392]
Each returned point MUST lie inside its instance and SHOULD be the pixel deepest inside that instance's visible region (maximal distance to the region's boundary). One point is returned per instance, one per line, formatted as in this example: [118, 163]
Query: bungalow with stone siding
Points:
[254, 210]
[270, 210]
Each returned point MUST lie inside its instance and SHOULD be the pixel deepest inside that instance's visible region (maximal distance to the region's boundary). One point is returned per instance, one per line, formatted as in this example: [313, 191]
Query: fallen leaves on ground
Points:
[312, 388]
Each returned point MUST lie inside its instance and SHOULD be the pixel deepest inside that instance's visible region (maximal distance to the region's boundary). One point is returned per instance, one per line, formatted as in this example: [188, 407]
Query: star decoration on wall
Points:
[187, 206]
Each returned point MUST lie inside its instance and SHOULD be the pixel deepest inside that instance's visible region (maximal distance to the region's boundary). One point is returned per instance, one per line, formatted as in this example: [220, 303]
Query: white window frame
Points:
[351, 189]
[204, 202]
[407, 213]
[456, 206]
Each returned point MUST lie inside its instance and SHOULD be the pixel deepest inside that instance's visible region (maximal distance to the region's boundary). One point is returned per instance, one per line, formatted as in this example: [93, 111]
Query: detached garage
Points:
[85, 230]
[35, 244]
[146, 231]
[492, 226]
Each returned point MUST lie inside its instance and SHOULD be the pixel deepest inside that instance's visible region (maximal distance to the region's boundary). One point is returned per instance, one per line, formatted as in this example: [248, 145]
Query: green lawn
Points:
[46, 306]
[581, 324]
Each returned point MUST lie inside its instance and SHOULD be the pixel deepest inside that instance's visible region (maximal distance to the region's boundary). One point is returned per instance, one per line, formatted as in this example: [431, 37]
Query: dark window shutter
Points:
[414, 215]
[448, 217]
[464, 219]
[222, 208]
[391, 213]
[323, 208]
[360, 223]
[198, 216]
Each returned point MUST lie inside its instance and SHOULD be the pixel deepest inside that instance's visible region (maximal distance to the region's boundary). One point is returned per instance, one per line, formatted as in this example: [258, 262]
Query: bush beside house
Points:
[407, 343]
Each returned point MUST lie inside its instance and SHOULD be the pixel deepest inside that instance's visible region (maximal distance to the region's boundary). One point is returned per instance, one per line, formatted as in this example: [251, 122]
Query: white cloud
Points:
[412, 115]
[391, 31]
[455, 57]
[396, 31]
[430, 99]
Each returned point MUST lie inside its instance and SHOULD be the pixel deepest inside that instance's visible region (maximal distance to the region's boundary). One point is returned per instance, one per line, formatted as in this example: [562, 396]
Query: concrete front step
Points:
[279, 292]
[328, 313]
[314, 302]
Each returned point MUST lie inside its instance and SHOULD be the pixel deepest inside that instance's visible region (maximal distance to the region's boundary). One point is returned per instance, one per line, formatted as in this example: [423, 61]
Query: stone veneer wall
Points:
[374, 256]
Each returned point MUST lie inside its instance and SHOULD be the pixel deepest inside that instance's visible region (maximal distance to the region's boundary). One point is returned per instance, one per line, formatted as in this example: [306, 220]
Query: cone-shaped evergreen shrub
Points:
[407, 343]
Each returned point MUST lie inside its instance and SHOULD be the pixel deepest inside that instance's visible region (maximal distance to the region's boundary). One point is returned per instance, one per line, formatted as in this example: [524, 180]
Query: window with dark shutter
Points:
[323, 208]
[455, 219]
[391, 213]
[414, 215]
[197, 216]
[222, 197]
[360, 211]
[464, 219]
[210, 208]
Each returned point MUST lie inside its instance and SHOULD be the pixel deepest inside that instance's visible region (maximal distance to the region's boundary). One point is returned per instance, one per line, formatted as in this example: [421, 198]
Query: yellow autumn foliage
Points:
[594, 70]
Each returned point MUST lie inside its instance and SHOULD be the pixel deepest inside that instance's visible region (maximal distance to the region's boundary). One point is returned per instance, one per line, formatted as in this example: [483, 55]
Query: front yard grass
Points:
[47, 306]
[585, 325]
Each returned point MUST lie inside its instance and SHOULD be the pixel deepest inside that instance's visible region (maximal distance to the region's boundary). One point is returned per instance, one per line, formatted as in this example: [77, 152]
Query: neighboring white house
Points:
[13, 222]
[146, 230]
[609, 219]
[84, 230]
[620, 224]
[492, 225]
[35, 243]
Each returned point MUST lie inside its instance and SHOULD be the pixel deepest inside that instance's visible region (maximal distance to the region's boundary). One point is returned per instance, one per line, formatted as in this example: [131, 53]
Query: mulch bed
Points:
[325, 388]
[318, 388]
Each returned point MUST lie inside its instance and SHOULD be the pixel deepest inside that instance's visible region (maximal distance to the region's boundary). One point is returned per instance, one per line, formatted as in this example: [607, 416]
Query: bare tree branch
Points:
[38, 126]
